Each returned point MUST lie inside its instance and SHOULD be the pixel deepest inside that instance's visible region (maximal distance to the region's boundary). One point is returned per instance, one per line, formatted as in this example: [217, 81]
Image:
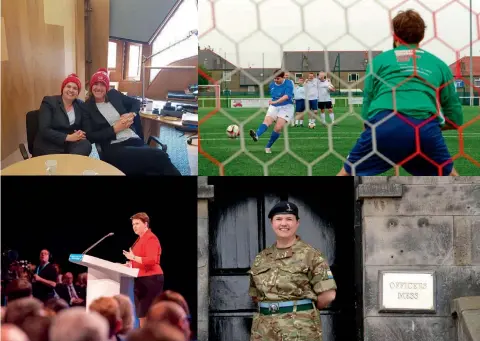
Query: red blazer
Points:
[148, 247]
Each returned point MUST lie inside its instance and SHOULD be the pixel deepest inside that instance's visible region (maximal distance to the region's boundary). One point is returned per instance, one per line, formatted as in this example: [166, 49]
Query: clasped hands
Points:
[76, 136]
[125, 121]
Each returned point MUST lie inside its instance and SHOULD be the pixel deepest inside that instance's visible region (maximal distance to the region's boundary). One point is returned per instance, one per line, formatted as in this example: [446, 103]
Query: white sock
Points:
[296, 121]
[322, 116]
[301, 122]
[332, 116]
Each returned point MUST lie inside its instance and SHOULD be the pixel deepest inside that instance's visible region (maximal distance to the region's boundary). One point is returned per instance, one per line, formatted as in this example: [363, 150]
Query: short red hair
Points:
[141, 216]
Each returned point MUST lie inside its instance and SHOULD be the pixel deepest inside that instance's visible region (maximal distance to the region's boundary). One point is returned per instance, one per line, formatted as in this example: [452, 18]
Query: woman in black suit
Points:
[60, 122]
[112, 122]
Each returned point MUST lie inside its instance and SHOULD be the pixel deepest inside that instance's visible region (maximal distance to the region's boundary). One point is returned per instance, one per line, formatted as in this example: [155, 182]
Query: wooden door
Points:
[239, 229]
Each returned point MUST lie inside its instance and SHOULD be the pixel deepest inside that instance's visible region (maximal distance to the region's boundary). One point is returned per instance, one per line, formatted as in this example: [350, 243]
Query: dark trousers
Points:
[82, 147]
[145, 290]
[134, 157]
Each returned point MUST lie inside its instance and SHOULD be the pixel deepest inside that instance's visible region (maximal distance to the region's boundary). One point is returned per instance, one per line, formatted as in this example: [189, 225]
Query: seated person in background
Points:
[60, 122]
[112, 122]
[72, 294]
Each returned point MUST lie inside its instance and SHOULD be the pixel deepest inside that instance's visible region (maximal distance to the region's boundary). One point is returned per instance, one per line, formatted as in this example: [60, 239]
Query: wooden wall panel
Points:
[40, 55]
[4, 42]
[173, 80]
[80, 43]
[100, 30]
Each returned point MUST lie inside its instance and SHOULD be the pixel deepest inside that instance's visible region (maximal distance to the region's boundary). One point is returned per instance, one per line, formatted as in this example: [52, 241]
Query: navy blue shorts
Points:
[396, 141]
[313, 103]
[323, 105]
[299, 105]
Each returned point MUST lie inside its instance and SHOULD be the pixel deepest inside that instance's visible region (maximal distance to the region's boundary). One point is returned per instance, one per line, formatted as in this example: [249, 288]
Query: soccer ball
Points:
[311, 125]
[233, 131]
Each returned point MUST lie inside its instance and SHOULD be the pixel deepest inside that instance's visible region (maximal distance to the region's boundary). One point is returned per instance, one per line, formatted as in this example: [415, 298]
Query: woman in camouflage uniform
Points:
[289, 280]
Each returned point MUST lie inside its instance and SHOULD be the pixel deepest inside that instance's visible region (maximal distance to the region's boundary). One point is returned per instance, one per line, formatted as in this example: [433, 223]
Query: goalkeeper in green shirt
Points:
[408, 104]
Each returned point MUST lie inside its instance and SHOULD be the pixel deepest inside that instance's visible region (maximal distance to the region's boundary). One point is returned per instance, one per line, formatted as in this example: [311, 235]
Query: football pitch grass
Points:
[308, 145]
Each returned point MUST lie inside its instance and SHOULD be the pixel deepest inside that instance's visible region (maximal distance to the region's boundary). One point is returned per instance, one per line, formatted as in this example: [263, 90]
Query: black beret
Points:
[284, 207]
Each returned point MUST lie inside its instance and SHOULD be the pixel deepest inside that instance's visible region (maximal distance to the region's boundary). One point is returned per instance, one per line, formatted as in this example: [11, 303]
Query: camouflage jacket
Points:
[295, 273]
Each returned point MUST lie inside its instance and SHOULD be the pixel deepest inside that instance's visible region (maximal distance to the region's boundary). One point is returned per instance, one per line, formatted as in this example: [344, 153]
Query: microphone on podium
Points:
[91, 247]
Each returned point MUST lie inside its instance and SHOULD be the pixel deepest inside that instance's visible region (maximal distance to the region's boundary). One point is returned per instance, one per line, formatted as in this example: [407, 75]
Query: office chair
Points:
[32, 130]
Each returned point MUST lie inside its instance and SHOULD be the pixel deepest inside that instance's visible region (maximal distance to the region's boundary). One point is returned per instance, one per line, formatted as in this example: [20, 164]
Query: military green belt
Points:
[281, 310]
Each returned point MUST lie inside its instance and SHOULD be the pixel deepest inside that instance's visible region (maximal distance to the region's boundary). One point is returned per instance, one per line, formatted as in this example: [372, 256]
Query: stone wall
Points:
[205, 193]
[420, 223]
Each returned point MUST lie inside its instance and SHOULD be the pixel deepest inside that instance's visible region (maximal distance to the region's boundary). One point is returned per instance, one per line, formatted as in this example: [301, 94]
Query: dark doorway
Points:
[239, 229]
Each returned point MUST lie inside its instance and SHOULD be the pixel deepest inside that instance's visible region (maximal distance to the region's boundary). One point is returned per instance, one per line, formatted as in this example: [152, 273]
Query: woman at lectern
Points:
[145, 255]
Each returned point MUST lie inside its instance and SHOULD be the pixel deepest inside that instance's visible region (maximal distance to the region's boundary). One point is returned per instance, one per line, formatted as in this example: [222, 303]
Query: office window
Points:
[183, 21]
[134, 61]
[112, 55]
[476, 82]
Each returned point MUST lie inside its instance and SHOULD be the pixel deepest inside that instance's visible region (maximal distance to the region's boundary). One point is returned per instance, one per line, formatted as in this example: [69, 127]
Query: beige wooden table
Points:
[151, 124]
[67, 164]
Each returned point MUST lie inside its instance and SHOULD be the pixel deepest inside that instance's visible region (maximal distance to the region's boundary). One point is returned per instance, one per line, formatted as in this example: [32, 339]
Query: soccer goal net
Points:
[242, 57]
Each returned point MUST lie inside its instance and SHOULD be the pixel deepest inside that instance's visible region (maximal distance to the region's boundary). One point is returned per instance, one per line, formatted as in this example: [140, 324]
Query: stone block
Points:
[400, 328]
[463, 239]
[379, 190]
[422, 180]
[202, 208]
[205, 191]
[422, 240]
[428, 200]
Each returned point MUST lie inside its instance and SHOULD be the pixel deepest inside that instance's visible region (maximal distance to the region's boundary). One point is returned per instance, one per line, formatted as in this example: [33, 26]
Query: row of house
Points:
[349, 66]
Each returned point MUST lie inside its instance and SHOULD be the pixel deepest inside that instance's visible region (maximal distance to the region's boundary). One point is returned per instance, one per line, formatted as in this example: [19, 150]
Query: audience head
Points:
[37, 327]
[100, 84]
[20, 309]
[54, 305]
[57, 267]
[126, 313]
[169, 295]
[172, 313]
[10, 332]
[108, 308]
[161, 331]
[75, 324]
[67, 278]
[71, 87]
[82, 279]
[18, 288]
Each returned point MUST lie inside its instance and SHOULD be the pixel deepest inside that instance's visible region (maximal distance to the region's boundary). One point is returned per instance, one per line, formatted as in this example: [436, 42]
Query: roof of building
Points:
[465, 66]
[316, 60]
[212, 61]
[297, 61]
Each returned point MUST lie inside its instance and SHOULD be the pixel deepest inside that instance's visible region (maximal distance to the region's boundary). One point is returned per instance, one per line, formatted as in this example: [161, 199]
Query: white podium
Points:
[105, 278]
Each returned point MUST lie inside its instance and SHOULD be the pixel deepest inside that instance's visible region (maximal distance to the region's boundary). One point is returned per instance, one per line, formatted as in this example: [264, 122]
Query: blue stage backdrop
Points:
[68, 214]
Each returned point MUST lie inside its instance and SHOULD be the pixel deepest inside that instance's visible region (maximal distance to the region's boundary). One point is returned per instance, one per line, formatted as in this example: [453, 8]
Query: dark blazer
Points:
[97, 127]
[53, 124]
[62, 291]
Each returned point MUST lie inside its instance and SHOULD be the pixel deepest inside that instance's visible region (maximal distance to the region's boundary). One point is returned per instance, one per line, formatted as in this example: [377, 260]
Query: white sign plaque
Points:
[407, 291]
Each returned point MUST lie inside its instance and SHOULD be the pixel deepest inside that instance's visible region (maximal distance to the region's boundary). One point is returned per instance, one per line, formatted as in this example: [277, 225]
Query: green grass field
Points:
[309, 145]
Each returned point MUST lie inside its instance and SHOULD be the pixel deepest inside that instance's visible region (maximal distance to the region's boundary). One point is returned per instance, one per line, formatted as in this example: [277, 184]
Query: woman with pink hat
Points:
[112, 122]
[61, 122]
